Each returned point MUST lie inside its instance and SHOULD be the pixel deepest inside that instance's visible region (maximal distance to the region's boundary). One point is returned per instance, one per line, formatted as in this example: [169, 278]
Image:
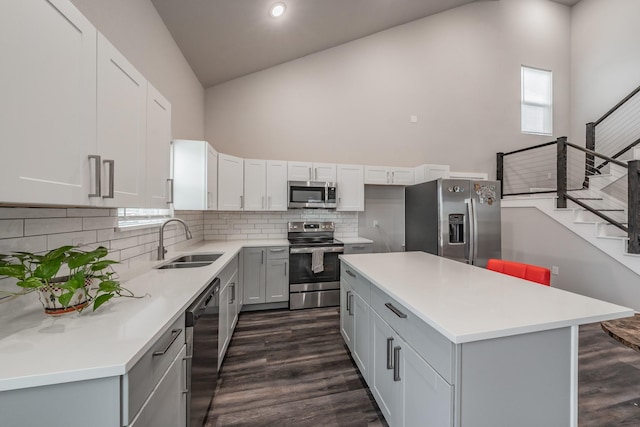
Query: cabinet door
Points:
[360, 350]
[212, 178]
[277, 283]
[324, 172]
[403, 176]
[276, 185]
[230, 182]
[346, 313]
[122, 95]
[254, 275]
[48, 108]
[158, 148]
[255, 187]
[223, 327]
[350, 188]
[377, 175]
[300, 171]
[426, 398]
[166, 406]
[381, 383]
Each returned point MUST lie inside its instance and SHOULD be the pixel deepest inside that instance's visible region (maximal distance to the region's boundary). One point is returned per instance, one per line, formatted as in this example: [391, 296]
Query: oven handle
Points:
[308, 250]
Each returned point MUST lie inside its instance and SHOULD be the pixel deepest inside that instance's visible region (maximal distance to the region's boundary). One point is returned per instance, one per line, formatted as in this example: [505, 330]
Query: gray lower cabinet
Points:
[266, 275]
[166, 406]
[254, 275]
[229, 306]
[354, 317]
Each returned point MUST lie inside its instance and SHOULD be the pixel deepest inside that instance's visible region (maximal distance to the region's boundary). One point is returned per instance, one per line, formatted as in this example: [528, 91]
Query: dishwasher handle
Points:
[197, 308]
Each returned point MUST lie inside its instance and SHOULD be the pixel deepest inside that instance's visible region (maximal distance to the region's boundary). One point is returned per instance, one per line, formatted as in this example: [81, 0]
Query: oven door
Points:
[300, 271]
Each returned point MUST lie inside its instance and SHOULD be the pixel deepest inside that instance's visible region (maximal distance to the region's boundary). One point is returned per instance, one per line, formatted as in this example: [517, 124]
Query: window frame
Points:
[547, 108]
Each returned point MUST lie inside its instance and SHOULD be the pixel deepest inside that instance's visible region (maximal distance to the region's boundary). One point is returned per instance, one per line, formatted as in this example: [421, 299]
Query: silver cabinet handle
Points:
[233, 292]
[388, 175]
[277, 250]
[396, 363]
[262, 202]
[285, 269]
[349, 301]
[97, 176]
[351, 304]
[170, 181]
[268, 202]
[339, 202]
[357, 247]
[310, 173]
[262, 257]
[395, 311]
[393, 177]
[241, 202]
[174, 335]
[315, 174]
[112, 165]
[350, 273]
[390, 353]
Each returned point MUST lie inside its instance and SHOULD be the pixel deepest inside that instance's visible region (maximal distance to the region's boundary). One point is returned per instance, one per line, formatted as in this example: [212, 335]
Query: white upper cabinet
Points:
[230, 183]
[350, 187]
[427, 172]
[158, 149]
[195, 175]
[276, 185]
[307, 171]
[48, 102]
[255, 187]
[389, 175]
[265, 185]
[122, 99]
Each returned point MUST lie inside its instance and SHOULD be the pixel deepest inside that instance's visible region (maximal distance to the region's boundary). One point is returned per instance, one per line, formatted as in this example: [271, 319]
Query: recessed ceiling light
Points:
[277, 10]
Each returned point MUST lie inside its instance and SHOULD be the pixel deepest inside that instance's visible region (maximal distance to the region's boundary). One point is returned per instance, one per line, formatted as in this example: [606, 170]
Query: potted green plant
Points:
[66, 279]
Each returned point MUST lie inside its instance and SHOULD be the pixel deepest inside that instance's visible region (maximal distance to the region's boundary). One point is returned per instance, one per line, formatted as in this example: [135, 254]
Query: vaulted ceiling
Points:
[225, 39]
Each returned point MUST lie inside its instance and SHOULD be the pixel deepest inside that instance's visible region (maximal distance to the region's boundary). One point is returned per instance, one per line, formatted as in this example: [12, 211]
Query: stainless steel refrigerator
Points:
[454, 218]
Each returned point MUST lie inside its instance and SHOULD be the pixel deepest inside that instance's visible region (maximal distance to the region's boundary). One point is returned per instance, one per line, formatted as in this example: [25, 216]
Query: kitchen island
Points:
[442, 343]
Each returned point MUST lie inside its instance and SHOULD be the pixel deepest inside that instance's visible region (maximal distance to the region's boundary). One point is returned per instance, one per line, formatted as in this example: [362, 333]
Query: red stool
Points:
[529, 272]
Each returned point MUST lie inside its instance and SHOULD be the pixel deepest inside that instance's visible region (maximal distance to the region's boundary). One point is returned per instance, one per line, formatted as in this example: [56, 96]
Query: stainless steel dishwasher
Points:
[201, 326]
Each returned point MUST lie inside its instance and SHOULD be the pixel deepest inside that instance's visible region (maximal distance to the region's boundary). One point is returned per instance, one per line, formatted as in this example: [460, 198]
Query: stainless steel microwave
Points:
[312, 194]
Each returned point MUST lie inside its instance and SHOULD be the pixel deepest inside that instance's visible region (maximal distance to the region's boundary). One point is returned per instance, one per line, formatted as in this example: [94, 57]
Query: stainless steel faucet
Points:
[161, 249]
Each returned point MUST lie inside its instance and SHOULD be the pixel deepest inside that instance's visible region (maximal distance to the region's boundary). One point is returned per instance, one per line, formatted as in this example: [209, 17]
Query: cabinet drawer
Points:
[358, 248]
[145, 374]
[228, 272]
[280, 252]
[360, 285]
[434, 347]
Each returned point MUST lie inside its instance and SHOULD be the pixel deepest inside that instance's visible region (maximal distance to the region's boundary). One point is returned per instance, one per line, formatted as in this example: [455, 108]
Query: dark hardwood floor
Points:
[291, 368]
[608, 381]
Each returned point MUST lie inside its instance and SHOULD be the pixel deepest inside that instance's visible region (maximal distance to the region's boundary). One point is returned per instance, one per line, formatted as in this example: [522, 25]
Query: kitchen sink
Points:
[197, 258]
[172, 265]
[190, 261]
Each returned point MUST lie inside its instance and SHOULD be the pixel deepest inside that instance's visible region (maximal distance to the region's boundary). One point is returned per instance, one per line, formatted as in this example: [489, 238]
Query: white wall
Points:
[136, 29]
[458, 71]
[530, 236]
[605, 58]
[384, 204]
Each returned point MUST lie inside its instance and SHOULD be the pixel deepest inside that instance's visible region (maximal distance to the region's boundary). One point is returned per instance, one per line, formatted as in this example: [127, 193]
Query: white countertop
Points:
[354, 240]
[37, 350]
[467, 303]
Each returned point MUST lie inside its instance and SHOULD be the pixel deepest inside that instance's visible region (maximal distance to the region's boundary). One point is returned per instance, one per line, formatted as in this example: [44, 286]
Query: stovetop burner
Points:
[312, 234]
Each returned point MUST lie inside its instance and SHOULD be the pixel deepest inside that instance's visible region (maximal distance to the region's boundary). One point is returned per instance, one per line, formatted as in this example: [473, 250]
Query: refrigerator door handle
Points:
[473, 230]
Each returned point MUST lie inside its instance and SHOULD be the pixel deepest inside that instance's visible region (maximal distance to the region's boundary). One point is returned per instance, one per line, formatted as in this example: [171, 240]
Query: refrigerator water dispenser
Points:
[456, 228]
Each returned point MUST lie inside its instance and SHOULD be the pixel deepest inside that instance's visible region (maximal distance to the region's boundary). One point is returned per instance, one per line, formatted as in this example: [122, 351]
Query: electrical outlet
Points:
[375, 223]
[555, 270]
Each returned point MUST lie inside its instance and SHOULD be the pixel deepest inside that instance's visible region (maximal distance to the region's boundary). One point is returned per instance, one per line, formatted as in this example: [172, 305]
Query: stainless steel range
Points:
[314, 268]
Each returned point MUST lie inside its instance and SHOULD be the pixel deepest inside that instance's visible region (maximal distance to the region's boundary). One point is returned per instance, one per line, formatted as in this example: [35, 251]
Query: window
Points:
[537, 101]
[136, 217]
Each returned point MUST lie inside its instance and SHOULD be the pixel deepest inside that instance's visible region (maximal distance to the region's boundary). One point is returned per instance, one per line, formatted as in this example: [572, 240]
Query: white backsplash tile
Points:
[35, 227]
[11, 228]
